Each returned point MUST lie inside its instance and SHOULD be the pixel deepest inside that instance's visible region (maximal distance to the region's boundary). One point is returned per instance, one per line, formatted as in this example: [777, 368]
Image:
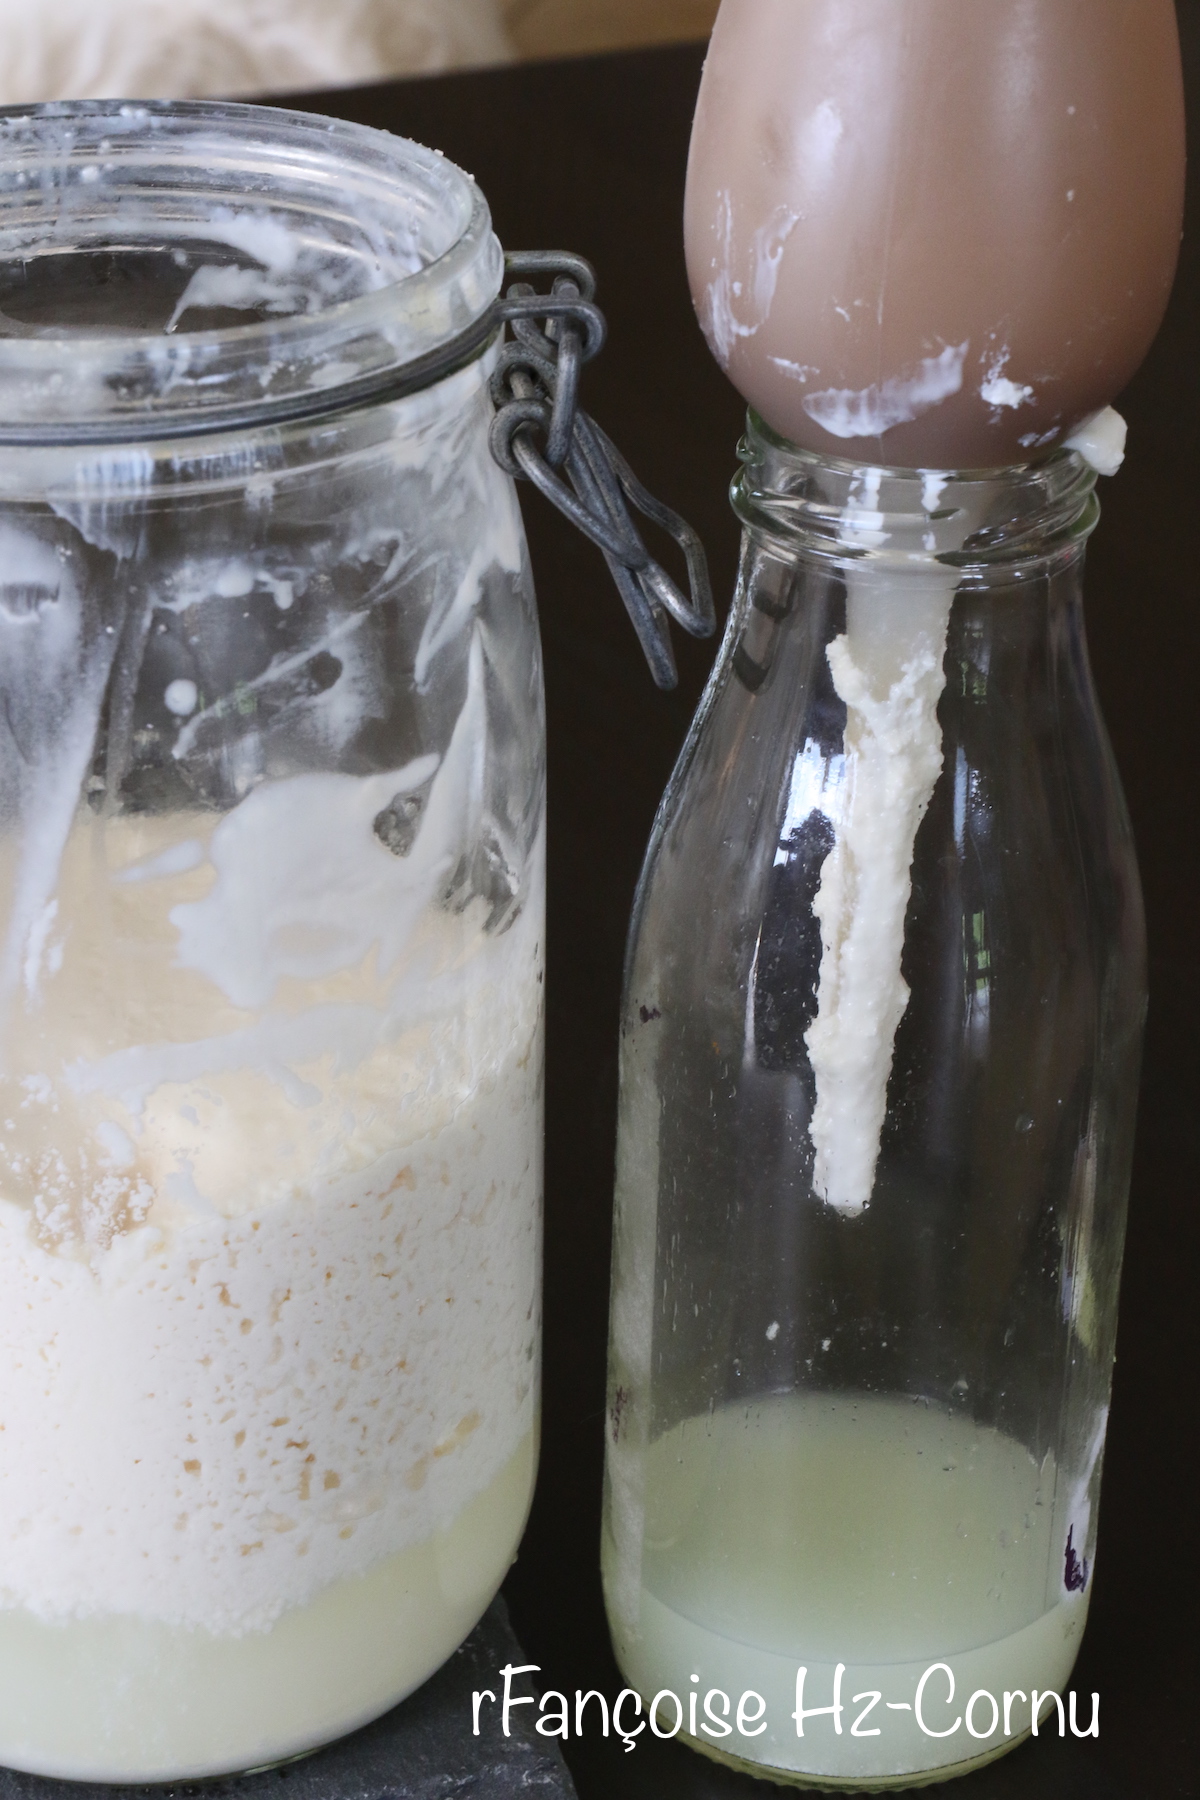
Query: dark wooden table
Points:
[589, 155]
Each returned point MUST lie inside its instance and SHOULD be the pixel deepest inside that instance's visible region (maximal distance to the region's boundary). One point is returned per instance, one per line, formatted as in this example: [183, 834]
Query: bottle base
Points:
[852, 1784]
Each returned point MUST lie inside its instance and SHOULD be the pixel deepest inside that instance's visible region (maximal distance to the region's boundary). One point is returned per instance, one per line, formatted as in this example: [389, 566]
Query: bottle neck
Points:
[983, 526]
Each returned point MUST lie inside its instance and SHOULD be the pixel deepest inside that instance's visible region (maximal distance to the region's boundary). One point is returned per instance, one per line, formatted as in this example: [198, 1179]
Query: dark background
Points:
[589, 155]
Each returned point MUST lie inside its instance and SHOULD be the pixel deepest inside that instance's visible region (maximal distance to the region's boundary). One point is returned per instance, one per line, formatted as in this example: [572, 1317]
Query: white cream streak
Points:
[755, 292]
[869, 412]
[887, 668]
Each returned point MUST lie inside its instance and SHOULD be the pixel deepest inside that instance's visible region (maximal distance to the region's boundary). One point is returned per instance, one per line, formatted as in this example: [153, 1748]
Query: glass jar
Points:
[877, 1102]
[271, 780]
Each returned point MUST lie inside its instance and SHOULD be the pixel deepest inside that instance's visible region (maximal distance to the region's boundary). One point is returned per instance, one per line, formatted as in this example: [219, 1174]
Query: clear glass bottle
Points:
[880, 1046]
[271, 905]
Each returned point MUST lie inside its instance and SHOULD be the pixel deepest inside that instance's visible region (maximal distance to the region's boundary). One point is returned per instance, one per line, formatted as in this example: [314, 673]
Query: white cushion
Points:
[81, 49]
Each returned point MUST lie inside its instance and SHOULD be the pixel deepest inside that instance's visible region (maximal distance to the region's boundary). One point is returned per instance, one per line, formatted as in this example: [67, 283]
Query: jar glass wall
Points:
[877, 1097]
[272, 800]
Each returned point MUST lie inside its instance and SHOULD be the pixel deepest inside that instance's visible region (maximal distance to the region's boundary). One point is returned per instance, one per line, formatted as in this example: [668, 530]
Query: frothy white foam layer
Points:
[212, 1419]
[270, 1173]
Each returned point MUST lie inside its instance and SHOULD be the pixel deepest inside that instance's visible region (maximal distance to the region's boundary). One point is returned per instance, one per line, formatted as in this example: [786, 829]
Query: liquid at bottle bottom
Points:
[805, 1532]
[131, 1700]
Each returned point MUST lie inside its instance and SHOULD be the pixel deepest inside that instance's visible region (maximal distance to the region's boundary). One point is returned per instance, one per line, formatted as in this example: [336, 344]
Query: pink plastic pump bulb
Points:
[935, 233]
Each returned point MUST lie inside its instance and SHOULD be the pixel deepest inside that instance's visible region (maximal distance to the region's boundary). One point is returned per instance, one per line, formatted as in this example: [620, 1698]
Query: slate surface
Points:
[422, 1750]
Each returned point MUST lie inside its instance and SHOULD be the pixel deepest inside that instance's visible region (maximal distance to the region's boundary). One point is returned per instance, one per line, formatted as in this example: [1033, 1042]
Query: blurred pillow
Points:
[180, 49]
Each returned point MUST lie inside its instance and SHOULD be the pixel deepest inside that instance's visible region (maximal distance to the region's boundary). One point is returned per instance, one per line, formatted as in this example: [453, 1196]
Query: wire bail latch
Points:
[541, 433]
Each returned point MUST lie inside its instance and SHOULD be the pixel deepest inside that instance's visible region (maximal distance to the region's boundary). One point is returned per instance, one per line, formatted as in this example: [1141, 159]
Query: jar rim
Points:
[368, 261]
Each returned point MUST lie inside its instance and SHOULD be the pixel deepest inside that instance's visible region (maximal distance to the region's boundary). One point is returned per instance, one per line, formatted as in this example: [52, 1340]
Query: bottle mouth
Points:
[174, 267]
[841, 510]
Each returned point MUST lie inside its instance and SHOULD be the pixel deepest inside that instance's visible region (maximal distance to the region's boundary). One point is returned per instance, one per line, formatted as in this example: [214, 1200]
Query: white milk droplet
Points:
[181, 698]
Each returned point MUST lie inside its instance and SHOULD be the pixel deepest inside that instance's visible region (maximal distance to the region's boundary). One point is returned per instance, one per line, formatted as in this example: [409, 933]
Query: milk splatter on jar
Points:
[271, 866]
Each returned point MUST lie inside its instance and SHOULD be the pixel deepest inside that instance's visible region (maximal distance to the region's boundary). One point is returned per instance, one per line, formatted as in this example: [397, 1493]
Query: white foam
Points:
[1100, 440]
[269, 1210]
[211, 1419]
[887, 668]
[268, 1305]
[999, 391]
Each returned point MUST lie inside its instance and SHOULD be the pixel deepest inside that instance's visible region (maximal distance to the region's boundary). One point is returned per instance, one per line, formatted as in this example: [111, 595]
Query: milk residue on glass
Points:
[877, 1093]
[863, 280]
[270, 988]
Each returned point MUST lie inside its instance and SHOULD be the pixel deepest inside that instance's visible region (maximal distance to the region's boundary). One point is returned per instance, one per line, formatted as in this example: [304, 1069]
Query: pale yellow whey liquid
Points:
[131, 1699]
[881, 1534]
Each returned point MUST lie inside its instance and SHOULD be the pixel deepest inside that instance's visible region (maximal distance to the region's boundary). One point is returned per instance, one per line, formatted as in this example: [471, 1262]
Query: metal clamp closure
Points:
[540, 430]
